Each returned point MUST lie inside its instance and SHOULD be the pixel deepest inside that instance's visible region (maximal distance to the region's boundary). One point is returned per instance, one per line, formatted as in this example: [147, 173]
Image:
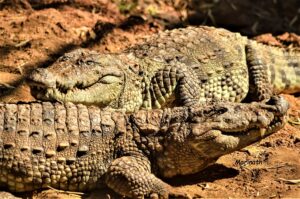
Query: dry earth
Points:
[31, 38]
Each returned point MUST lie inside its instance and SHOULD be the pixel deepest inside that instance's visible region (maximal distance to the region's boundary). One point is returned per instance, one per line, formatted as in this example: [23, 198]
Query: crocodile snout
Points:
[40, 77]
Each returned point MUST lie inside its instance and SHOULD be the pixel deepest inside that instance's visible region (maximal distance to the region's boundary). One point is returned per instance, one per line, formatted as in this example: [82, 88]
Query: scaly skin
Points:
[77, 148]
[172, 68]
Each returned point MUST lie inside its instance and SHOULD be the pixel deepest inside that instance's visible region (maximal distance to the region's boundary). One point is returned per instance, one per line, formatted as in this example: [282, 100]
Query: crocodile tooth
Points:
[262, 132]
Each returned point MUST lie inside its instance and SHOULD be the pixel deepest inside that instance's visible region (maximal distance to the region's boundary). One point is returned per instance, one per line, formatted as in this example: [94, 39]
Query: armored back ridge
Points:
[43, 144]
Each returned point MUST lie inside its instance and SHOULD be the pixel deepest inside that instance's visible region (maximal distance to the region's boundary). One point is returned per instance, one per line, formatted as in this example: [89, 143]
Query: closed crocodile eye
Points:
[109, 79]
[89, 62]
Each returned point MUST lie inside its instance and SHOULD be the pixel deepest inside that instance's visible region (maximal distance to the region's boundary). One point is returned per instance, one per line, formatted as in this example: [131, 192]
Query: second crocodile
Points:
[172, 68]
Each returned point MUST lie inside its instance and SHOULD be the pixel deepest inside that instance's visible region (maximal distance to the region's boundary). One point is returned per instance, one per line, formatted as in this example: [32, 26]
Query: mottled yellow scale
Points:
[221, 67]
[216, 56]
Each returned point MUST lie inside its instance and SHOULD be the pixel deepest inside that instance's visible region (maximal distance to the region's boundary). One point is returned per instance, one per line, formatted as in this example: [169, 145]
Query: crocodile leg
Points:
[131, 176]
[172, 78]
[261, 88]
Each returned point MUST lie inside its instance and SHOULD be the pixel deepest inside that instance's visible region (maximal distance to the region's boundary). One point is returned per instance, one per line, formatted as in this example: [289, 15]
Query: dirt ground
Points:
[32, 37]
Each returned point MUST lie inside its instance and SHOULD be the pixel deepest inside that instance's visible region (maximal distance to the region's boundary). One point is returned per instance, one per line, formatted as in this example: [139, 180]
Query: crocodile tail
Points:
[282, 66]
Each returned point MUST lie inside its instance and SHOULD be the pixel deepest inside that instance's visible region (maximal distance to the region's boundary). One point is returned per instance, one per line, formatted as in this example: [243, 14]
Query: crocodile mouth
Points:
[60, 88]
[276, 124]
[217, 141]
[43, 91]
[96, 93]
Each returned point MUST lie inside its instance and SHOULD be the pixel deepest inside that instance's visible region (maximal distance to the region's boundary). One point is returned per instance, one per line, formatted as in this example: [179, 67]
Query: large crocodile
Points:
[75, 147]
[177, 67]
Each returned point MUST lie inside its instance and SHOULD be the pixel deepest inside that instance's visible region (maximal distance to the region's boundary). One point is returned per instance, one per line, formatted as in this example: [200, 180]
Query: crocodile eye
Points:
[89, 62]
[109, 79]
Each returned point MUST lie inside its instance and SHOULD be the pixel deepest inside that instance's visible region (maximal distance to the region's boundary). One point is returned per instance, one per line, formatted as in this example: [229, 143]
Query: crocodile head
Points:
[237, 126]
[215, 130]
[80, 76]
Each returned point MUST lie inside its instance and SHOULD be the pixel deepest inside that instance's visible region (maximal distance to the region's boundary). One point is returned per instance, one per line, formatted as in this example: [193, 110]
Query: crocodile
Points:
[79, 148]
[172, 68]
